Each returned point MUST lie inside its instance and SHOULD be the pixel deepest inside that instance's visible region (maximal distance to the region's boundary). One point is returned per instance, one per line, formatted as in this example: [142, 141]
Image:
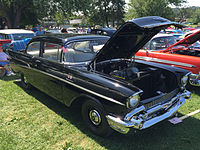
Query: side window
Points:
[52, 51]
[34, 49]
[4, 36]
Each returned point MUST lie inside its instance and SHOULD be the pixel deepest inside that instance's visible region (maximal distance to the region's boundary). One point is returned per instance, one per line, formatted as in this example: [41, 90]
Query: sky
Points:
[193, 3]
[190, 2]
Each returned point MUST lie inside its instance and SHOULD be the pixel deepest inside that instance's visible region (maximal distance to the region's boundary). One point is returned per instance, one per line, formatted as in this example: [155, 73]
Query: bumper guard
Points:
[149, 117]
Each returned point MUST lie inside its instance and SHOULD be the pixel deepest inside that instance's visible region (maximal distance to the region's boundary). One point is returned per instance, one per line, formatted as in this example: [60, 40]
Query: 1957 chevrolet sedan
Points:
[184, 53]
[99, 74]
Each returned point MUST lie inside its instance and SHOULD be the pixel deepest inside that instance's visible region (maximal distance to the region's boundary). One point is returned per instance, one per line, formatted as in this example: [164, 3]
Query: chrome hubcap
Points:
[95, 117]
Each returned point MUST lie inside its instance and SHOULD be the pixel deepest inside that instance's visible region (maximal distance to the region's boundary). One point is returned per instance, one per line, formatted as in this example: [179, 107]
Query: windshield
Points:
[195, 45]
[81, 51]
[161, 43]
[22, 36]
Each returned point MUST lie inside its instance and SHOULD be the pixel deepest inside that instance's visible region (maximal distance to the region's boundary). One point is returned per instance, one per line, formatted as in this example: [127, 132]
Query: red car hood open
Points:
[189, 40]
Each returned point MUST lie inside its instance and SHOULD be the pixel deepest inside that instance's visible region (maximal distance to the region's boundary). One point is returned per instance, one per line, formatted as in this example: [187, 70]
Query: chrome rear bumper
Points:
[141, 118]
[194, 79]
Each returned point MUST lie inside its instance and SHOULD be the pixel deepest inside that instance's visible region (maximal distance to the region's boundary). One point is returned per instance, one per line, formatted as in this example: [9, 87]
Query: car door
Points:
[30, 69]
[50, 69]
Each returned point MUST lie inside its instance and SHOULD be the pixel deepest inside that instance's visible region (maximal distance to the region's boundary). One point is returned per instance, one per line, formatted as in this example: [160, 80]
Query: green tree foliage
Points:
[16, 12]
[182, 13]
[102, 12]
[142, 8]
[195, 17]
[21, 12]
[12, 11]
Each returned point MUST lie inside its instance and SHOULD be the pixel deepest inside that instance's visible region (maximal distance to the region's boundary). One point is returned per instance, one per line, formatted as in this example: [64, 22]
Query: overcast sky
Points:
[190, 2]
[193, 3]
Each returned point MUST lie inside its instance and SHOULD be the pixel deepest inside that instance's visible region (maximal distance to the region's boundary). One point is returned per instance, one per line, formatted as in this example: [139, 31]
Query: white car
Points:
[19, 38]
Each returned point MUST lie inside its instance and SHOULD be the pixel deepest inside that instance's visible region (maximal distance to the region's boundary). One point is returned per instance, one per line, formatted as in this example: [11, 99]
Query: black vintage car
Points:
[100, 75]
[103, 31]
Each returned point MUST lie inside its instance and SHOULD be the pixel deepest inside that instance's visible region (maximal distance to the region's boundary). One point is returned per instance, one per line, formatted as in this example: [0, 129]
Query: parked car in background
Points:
[176, 33]
[100, 74]
[188, 29]
[195, 45]
[53, 31]
[71, 30]
[104, 31]
[190, 32]
[184, 53]
[19, 38]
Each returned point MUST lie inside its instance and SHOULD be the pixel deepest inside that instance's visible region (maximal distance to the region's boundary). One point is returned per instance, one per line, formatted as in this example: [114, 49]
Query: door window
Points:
[52, 51]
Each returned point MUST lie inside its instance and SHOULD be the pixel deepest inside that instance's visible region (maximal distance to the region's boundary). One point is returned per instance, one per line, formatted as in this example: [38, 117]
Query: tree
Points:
[34, 10]
[104, 11]
[195, 18]
[22, 12]
[12, 10]
[182, 13]
[142, 8]
[117, 11]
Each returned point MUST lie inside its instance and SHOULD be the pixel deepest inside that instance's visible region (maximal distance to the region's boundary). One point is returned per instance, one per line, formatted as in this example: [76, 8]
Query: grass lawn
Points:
[30, 120]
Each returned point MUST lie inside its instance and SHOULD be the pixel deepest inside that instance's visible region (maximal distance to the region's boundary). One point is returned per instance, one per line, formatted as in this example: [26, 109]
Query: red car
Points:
[181, 54]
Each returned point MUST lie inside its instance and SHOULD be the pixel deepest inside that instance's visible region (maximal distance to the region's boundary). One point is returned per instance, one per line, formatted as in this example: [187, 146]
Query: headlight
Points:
[133, 100]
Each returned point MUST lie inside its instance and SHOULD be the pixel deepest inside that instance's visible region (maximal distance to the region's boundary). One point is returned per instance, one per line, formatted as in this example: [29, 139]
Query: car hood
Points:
[189, 40]
[131, 37]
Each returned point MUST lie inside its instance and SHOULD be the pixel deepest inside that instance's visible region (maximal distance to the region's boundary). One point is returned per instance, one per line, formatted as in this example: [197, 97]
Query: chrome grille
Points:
[165, 98]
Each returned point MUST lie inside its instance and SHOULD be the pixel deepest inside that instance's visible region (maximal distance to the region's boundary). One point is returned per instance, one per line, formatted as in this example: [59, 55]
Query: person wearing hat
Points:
[4, 61]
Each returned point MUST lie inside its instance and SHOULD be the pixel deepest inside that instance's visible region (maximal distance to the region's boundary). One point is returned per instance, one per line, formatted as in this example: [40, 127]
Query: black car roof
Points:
[104, 29]
[63, 38]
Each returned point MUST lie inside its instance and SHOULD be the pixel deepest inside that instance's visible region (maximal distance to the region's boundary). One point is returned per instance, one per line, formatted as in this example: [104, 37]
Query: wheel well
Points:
[78, 101]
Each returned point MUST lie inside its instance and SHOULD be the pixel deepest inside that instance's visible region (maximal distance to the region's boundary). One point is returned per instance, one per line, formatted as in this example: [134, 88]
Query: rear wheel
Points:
[24, 82]
[94, 117]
